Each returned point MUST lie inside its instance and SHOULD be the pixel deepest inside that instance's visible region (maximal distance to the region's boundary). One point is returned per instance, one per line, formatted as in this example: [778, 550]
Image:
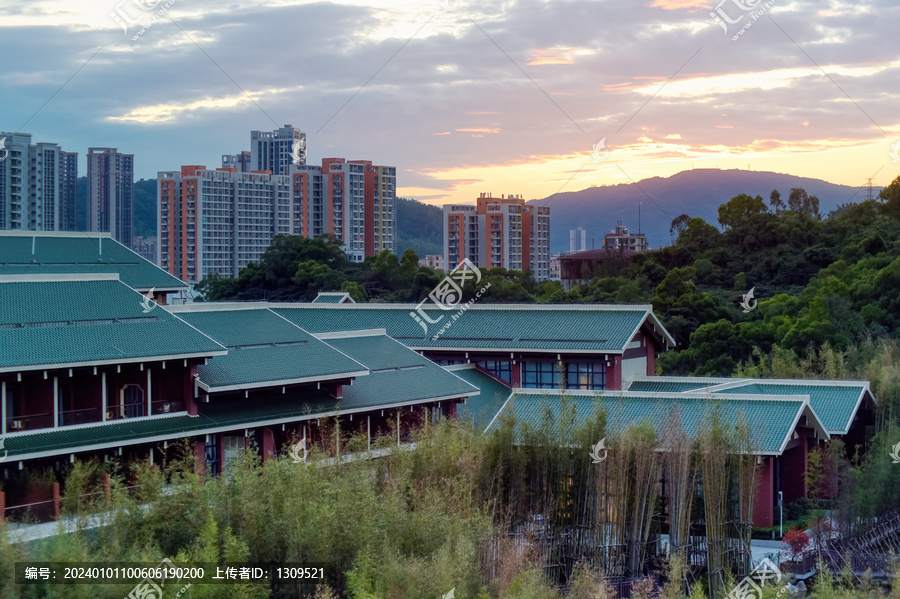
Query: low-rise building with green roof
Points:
[844, 407]
[68, 252]
[781, 428]
[583, 346]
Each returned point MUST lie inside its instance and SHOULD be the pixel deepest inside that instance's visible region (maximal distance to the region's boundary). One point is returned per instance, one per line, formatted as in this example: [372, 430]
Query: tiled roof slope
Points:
[80, 322]
[551, 328]
[264, 349]
[36, 253]
[397, 374]
[835, 402]
[772, 420]
[482, 408]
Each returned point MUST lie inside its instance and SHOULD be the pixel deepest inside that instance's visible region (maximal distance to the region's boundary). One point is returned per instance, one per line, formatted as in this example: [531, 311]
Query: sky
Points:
[528, 97]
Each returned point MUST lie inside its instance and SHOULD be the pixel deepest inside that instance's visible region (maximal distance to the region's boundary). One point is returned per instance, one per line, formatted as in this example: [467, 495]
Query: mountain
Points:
[697, 192]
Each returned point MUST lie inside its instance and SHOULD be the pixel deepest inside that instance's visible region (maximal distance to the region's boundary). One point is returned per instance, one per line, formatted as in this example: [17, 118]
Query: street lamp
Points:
[780, 515]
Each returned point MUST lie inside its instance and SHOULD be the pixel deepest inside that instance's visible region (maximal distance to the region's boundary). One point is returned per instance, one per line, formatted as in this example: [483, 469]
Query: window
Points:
[541, 375]
[212, 455]
[585, 375]
[233, 447]
[501, 370]
[132, 401]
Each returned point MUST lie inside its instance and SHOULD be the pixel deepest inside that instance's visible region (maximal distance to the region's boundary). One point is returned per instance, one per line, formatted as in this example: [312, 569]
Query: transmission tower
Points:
[869, 195]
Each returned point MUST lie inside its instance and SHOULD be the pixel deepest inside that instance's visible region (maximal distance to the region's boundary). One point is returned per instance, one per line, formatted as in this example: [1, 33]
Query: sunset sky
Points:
[465, 97]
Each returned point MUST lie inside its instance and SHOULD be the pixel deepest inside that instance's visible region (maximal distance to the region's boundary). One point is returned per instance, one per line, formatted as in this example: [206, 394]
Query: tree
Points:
[698, 236]
[797, 540]
[804, 204]
[891, 197]
[314, 277]
[740, 209]
[409, 263]
[679, 223]
[356, 290]
[775, 201]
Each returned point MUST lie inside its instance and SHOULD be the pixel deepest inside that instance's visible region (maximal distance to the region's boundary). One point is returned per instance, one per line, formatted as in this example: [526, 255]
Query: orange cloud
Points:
[556, 55]
[479, 130]
[681, 4]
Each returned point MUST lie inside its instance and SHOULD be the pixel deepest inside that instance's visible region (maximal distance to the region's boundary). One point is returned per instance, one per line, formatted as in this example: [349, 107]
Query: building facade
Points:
[499, 232]
[110, 184]
[621, 239]
[273, 151]
[221, 220]
[218, 221]
[577, 239]
[37, 185]
[353, 200]
[433, 260]
[68, 195]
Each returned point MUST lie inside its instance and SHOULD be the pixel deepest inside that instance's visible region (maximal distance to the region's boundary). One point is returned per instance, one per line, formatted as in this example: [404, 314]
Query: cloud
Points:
[410, 85]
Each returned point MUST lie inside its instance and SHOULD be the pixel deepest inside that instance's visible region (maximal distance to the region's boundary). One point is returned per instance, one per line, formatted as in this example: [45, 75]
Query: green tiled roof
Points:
[221, 414]
[264, 348]
[487, 326]
[771, 419]
[482, 408]
[397, 374]
[652, 386]
[834, 402]
[71, 322]
[380, 388]
[80, 253]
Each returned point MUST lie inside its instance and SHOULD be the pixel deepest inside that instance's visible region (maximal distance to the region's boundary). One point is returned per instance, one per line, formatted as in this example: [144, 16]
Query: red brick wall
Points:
[764, 504]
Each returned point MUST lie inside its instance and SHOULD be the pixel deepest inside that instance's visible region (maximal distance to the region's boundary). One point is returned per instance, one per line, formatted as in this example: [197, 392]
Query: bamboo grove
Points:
[696, 486]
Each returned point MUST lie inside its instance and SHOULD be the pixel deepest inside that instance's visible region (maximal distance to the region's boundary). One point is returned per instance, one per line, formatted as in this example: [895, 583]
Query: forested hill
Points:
[420, 227]
[697, 192]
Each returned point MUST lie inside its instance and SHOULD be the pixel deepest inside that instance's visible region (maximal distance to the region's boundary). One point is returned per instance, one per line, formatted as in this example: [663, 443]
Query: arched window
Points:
[131, 401]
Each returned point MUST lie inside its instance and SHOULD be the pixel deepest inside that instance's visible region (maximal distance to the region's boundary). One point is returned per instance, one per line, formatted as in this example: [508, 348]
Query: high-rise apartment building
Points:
[110, 185]
[239, 162]
[576, 236]
[275, 150]
[272, 151]
[68, 197]
[218, 220]
[502, 231]
[353, 200]
[37, 185]
[221, 220]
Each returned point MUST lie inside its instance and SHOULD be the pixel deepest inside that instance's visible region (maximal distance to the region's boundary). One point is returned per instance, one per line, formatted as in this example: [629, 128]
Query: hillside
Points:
[420, 227]
[697, 193]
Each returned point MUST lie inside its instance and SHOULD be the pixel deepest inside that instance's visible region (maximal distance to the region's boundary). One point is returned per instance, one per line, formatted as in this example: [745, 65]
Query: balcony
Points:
[29, 422]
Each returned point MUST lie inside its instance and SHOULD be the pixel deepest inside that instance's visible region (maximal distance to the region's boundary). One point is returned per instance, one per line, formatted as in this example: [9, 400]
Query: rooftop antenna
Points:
[639, 217]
